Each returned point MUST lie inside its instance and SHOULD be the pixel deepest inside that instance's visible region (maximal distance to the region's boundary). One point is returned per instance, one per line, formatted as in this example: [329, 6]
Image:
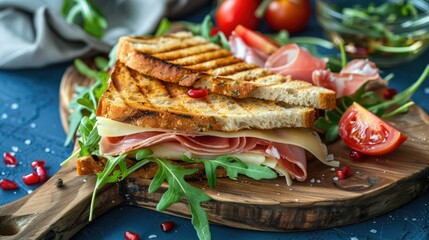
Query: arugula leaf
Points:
[84, 12]
[104, 177]
[86, 101]
[402, 97]
[163, 27]
[233, 166]
[178, 187]
[204, 29]
[89, 136]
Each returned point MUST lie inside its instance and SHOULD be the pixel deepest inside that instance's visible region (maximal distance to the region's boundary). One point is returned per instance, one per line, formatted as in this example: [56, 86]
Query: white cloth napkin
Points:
[33, 33]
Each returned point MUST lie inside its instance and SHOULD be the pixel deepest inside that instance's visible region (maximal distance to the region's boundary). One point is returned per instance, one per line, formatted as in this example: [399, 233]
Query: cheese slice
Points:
[305, 138]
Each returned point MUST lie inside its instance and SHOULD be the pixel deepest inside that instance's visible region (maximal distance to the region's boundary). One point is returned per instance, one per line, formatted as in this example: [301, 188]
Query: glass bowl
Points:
[387, 39]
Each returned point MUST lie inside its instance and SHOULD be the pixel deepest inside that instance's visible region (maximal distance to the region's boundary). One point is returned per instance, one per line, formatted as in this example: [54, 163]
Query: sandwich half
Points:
[192, 61]
[138, 111]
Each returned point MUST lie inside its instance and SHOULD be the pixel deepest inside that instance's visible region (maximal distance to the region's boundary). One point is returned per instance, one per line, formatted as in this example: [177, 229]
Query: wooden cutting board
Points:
[378, 185]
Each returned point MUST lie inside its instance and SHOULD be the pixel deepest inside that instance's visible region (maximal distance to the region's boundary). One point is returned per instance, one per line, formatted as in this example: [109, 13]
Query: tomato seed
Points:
[198, 93]
[389, 93]
[7, 184]
[30, 178]
[131, 235]
[167, 226]
[344, 172]
[41, 173]
[39, 163]
[9, 159]
[355, 155]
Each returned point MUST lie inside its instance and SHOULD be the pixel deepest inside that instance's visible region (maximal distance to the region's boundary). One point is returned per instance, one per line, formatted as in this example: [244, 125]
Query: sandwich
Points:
[138, 111]
[256, 120]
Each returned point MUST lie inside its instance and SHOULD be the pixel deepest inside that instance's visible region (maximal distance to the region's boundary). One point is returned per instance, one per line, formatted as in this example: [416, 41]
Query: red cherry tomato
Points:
[366, 133]
[256, 40]
[290, 15]
[231, 13]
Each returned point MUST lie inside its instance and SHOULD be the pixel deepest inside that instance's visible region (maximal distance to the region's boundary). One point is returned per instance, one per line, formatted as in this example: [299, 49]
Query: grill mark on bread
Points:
[139, 114]
[201, 58]
[250, 75]
[231, 69]
[167, 43]
[183, 115]
[220, 62]
[164, 70]
[186, 52]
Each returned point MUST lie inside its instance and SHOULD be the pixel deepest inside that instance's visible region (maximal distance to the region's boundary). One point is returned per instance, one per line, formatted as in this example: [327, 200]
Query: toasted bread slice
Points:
[189, 60]
[140, 100]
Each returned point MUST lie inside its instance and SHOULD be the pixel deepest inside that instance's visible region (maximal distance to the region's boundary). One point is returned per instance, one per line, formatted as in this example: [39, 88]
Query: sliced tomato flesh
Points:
[256, 40]
[364, 132]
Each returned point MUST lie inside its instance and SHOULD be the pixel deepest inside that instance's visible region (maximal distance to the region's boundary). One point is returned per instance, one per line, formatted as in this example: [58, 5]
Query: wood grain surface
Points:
[378, 185]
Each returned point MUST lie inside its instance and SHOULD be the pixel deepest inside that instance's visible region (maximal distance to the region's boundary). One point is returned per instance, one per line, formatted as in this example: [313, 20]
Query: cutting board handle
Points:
[52, 212]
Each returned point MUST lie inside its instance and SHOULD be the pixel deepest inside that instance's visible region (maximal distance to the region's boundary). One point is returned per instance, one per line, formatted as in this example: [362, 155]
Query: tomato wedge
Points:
[256, 40]
[364, 132]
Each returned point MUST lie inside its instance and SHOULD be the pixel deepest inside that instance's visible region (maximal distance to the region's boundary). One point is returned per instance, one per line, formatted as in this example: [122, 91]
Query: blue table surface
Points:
[30, 126]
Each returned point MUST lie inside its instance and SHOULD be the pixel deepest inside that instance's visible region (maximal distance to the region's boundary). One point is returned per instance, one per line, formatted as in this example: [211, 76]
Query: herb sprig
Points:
[84, 12]
[86, 100]
[116, 170]
[204, 29]
[233, 166]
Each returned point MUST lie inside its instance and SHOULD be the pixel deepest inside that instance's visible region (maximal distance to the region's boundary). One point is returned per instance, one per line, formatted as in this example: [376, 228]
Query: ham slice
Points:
[294, 61]
[289, 157]
[345, 83]
[241, 50]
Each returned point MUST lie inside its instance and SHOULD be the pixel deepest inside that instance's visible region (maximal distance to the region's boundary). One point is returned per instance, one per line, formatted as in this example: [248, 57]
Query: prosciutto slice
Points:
[355, 74]
[241, 50]
[289, 157]
[294, 61]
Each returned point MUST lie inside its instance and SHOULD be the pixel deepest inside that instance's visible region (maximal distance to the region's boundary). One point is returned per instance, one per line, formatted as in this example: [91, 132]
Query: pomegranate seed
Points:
[39, 163]
[7, 184]
[41, 173]
[9, 159]
[31, 178]
[198, 93]
[355, 155]
[344, 172]
[167, 226]
[131, 235]
[389, 93]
